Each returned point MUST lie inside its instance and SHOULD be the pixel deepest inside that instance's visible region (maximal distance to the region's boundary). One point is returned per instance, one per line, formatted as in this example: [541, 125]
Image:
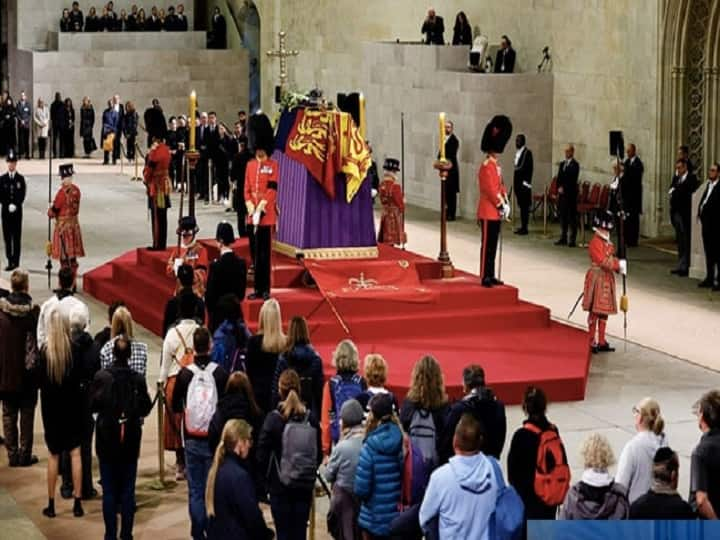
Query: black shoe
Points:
[561, 242]
[254, 296]
[605, 347]
[49, 512]
[9, 268]
[451, 218]
[683, 273]
[78, 509]
[229, 210]
[14, 461]
[487, 282]
[705, 284]
[66, 492]
[521, 232]
[497, 281]
[572, 244]
[266, 296]
[675, 271]
[594, 349]
[28, 461]
[716, 288]
[2, 440]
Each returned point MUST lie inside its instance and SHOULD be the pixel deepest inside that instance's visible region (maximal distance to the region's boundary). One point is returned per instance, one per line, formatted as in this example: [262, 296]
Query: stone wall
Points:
[604, 62]
[423, 85]
[125, 41]
[35, 18]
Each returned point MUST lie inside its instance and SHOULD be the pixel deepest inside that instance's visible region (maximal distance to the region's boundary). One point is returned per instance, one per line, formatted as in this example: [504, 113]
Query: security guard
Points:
[12, 197]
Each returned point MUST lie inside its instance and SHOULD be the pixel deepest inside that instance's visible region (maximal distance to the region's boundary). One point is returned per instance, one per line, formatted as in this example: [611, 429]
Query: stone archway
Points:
[688, 86]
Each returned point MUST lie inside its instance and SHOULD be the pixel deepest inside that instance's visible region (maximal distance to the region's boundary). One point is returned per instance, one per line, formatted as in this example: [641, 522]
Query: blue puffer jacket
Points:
[378, 477]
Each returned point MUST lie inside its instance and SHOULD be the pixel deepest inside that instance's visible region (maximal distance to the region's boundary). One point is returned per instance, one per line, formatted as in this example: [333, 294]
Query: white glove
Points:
[373, 192]
[256, 219]
[177, 264]
[670, 191]
[12, 208]
[527, 185]
[623, 267]
[506, 211]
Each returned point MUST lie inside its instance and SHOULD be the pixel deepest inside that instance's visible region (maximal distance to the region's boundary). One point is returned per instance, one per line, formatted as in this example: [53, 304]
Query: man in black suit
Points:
[434, 29]
[567, 183]
[227, 275]
[684, 184]
[56, 117]
[522, 182]
[218, 36]
[201, 170]
[452, 146]
[684, 153]
[155, 123]
[181, 18]
[12, 196]
[505, 58]
[631, 190]
[709, 217]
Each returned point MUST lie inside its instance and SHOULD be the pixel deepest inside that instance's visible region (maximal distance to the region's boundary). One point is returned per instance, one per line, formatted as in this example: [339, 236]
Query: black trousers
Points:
[176, 168]
[68, 143]
[681, 224]
[19, 442]
[223, 181]
[711, 244]
[567, 209]
[24, 141]
[202, 174]
[523, 196]
[57, 145]
[632, 229]
[42, 146]
[130, 147]
[261, 240]
[159, 242]
[451, 205]
[490, 234]
[12, 235]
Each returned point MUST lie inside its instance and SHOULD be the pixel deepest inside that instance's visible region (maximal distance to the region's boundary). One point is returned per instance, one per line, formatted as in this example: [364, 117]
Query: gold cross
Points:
[282, 53]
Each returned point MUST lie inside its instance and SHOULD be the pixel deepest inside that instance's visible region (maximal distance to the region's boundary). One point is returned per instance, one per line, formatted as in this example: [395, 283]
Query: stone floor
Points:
[672, 333]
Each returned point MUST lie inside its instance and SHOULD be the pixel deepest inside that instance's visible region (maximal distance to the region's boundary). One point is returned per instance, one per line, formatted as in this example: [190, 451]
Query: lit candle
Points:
[363, 126]
[442, 136]
[191, 119]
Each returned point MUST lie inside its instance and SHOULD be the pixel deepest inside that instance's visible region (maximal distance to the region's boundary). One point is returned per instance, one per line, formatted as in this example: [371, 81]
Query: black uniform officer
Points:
[12, 197]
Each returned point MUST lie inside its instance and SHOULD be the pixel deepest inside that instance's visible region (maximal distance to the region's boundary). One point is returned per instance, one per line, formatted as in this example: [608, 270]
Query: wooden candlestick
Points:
[443, 167]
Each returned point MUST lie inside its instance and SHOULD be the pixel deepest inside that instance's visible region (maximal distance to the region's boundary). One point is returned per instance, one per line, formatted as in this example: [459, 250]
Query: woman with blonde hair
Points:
[263, 350]
[375, 371]
[425, 409]
[290, 494]
[302, 357]
[636, 459]
[122, 324]
[596, 495]
[230, 500]
[346, 384]
[87, 125]
[62, 407]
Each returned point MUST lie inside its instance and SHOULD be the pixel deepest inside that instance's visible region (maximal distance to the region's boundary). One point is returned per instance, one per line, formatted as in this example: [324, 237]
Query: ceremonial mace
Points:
[48, 245]
[191, 155]
[443, 167]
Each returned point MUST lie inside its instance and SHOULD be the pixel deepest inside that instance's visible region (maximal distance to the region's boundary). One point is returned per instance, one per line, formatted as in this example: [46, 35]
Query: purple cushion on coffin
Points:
[310, 220]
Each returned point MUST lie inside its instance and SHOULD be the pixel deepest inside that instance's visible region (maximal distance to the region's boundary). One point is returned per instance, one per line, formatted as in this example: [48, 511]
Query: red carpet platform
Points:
[456, 320]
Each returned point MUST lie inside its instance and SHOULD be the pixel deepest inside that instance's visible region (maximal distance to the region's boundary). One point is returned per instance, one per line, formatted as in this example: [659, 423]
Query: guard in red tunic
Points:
[190, 252]
[392, 222]
[156, 177]
[493, 205]
[67, 243]
[261, 184]
[599, 296]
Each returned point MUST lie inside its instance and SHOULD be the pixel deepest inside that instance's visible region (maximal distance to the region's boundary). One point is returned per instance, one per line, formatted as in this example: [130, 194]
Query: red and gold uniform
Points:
[156, 177]
[196, 256]
[67, 243]
[261, 184]
[491, 204]
[599, 294]
[392, 220]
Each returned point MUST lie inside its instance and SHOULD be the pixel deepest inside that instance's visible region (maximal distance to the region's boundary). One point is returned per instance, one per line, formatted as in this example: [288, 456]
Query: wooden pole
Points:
[192, 157]
[161, 445]
[443, 166]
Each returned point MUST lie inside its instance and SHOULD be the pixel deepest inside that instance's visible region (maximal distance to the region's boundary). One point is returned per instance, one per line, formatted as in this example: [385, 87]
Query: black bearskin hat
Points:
[604, 220]
[260, 134]
[496, 135]
[391, 164]
[66, 170]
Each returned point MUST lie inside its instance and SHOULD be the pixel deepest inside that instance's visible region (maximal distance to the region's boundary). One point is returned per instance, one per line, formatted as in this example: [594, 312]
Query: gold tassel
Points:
[624, 303]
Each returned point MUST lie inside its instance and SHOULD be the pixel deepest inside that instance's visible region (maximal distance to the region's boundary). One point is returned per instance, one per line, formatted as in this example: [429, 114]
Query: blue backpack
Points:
[341, 390]
[229, 344]
[506, 522]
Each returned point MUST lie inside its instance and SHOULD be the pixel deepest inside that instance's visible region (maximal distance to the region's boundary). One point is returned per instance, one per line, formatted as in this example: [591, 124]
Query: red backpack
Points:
[552, 473]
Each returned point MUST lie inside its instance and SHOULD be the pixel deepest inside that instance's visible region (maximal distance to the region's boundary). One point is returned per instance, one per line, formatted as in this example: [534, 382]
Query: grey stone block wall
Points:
[123, 41]
[421, 82]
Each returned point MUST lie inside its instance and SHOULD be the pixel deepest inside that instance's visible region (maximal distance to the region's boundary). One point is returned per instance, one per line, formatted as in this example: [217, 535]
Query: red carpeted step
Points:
[152, 287]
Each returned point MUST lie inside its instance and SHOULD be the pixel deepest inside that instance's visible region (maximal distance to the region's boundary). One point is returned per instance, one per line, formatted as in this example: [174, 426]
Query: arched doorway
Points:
[246, 18]
[689, 83]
